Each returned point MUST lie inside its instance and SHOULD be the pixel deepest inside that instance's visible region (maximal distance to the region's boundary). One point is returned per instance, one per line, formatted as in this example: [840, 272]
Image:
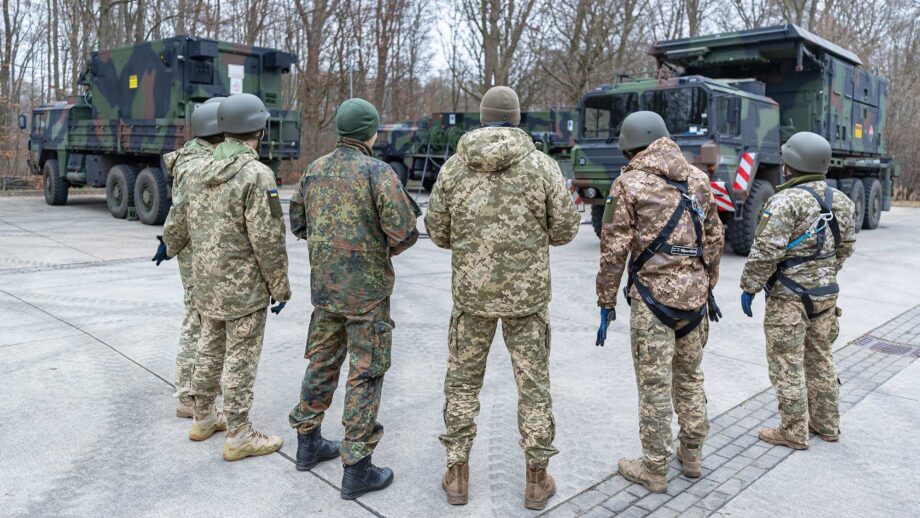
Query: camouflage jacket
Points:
[638, 208]
[190, 159]
[498, 204]
[231, 214]
[787, 215]
[354, 214]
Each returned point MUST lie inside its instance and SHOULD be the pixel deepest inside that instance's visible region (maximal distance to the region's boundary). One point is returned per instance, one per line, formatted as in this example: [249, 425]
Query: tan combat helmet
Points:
[499, 105]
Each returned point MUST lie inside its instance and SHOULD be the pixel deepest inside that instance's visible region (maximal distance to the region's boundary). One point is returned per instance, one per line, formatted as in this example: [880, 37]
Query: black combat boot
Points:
[313, 449]
[362, 477]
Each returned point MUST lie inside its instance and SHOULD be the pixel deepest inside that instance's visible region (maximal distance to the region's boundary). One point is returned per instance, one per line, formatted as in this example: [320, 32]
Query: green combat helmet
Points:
[241, 113]
[500, 104]
[641, 129]
[807, 152]
[204, 120]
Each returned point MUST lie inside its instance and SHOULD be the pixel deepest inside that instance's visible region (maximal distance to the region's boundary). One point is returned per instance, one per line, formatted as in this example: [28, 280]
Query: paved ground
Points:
[88, 332]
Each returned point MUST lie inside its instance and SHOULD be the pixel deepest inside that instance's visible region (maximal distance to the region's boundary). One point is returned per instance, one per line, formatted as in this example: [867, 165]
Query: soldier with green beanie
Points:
[805, 234]
[354, 215]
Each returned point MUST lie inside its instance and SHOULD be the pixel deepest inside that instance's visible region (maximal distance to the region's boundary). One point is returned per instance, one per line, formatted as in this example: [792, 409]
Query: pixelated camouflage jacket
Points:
[787, 215]
[189, 159]
[355, 215]
[232, 215]
[639, 206]
[498, 204]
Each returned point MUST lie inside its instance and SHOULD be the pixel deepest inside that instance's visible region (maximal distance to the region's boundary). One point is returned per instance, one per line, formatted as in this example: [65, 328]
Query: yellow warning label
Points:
[132, 81]
[857, 131]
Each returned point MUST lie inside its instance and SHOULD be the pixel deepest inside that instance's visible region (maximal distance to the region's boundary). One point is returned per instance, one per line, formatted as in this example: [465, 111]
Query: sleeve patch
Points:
[610, 209]
[764, 219]
[274, 203]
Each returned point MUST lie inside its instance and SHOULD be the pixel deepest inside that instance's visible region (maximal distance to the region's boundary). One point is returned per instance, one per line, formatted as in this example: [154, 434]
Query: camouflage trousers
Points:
[188, 347]
[801, 365]
[528, 341]
[367, 339]
[670, 380]
[231, 347]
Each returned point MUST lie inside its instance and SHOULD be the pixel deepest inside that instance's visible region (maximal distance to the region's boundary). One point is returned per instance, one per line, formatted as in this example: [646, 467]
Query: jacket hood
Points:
[229, 158]
[494, 149]
[663, 158]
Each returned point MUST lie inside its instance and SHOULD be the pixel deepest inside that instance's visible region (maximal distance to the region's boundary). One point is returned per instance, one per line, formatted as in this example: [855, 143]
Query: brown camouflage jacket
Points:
[355, 215]
[232, 216]
[498, 205]
[639, 206]
[788, 215]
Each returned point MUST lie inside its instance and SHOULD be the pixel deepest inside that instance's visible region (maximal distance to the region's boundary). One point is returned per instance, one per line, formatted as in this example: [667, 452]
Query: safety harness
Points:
[825, 219]
[667, 315]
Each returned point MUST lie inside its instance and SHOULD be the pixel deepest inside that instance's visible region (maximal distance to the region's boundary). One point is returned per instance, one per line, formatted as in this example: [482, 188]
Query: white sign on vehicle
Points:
[236, 74]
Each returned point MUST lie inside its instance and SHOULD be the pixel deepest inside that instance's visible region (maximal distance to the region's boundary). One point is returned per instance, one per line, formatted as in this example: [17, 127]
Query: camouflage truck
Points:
[395, 144]
[136, 106]
[735, 98]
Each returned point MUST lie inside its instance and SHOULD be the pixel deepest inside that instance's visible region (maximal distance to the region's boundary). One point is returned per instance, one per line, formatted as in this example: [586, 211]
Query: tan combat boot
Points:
[185, 408]
[540, 487]
[246, 442]
[778, 436]
[634, 470]
[456, 483]
[204, 428]
[824, 437]
[691, 459]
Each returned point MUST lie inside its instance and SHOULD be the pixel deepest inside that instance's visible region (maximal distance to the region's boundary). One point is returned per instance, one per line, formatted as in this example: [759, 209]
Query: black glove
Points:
[608, 315]
[161, 252]
[276, 309]
[714, 312]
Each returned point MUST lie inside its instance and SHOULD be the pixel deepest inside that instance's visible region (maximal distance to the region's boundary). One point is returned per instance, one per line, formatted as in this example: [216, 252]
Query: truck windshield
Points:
[604, 113]
[684, 110]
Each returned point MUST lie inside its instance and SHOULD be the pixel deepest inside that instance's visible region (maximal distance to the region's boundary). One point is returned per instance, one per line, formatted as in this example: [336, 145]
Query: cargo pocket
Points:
[381, 339]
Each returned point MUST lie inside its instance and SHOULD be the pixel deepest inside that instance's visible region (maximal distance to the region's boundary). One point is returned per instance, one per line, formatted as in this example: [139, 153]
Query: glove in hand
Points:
[161, 256]
[608, 315]
[746, 300]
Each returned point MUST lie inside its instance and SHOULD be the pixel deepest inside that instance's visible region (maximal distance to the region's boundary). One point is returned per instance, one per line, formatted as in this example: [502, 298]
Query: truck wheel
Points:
[744, 229]
[55, 186]
[401, 172]
[151, 196]
[854, 190]
[873, 203]
[597, 218]
[119, 189]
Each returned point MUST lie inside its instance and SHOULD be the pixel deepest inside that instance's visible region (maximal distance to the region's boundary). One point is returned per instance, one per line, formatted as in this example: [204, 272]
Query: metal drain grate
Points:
[865, 340]
[890, 348]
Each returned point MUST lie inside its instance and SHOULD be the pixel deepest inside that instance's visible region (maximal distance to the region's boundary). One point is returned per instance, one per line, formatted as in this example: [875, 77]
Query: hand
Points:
[161, 252]
[714, 312]
[746, 299]
[276, 309]
[608, 315]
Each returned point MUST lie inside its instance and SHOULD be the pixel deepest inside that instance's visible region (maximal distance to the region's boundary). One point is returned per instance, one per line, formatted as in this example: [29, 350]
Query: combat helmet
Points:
[204, 120]
[241, 113]
[639, 129]
[807, 152]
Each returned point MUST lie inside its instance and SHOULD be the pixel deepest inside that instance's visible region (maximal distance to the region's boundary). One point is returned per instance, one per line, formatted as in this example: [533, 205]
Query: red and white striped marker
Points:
[721, 197]
[575, 196]
[745, 168]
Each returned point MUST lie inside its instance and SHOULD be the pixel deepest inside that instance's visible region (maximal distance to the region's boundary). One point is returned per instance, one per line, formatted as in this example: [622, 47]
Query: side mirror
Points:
[22, 121]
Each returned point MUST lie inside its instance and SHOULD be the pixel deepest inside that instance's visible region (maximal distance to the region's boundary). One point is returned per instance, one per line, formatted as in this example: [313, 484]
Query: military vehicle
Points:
[395, 143]
[734, 98]
[136, 105]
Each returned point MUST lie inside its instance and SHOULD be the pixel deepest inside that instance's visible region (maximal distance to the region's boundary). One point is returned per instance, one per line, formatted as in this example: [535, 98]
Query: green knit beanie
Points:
[357, 119]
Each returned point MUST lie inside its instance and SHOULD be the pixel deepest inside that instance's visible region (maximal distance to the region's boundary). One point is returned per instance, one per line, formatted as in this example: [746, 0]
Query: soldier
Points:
[355, 216]
[189, 160]
[231, 213]
[498, 205]
[660, 212]
[792, 246]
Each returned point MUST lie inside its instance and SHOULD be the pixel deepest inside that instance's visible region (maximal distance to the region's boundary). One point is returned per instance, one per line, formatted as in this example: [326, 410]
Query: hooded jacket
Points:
[639, 206]
[232, 215]
[498, 205]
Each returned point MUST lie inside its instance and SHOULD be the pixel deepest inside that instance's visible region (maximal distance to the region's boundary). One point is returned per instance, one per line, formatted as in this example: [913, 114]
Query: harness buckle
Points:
[695, 205]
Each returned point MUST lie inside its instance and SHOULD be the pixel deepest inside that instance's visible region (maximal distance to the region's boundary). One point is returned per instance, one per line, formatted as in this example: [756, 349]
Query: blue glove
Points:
[161, 252]
[608, 315]
[276, 309]
[746, 300]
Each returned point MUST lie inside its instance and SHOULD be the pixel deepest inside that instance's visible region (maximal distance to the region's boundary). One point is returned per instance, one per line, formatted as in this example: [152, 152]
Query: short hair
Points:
[251, 135]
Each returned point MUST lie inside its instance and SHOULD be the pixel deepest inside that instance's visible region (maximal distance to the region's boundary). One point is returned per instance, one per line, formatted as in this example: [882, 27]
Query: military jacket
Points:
[355, 215]
[788, 215]
[232, 215]
[498, 205]
[638, 208]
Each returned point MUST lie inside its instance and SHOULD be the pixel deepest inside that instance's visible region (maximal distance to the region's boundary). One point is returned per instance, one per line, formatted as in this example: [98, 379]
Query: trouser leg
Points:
[326, 349]
[188, 346]
[687, 391]
[785, 325]
[241, 361]
[820, 371]
[469, 340]
[209, 364]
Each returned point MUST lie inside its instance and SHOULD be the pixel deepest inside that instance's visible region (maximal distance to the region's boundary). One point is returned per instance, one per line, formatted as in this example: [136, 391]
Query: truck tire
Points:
[873, 203]
[855, 190]
[744, 229]
[119, 189]
[597, 218]
[401, 172]
[55, 187]
[151, 196]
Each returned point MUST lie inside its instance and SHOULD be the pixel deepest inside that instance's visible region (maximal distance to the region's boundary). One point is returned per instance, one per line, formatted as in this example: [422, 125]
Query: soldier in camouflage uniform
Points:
[659, 190]
[805, 234]
[231, 214]
[355, 216]
[498, 205]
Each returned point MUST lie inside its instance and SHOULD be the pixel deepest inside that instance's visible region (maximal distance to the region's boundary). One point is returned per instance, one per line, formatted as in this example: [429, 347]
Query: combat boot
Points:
[246, 442]
[456, 483]
[691, 460]
[206, 427]
[778, 436]
[363, 477]
[824, 437]
[313, 449]
[635, 471]
[185, 408]
[540, 486]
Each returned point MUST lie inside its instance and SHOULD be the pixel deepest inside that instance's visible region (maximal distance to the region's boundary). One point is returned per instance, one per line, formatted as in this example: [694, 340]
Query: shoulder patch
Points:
[610, 208]
[764, 219]
[274, 203]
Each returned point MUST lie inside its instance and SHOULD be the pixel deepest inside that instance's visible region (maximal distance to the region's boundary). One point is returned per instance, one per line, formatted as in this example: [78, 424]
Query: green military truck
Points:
[137, 104]
[730, 100]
